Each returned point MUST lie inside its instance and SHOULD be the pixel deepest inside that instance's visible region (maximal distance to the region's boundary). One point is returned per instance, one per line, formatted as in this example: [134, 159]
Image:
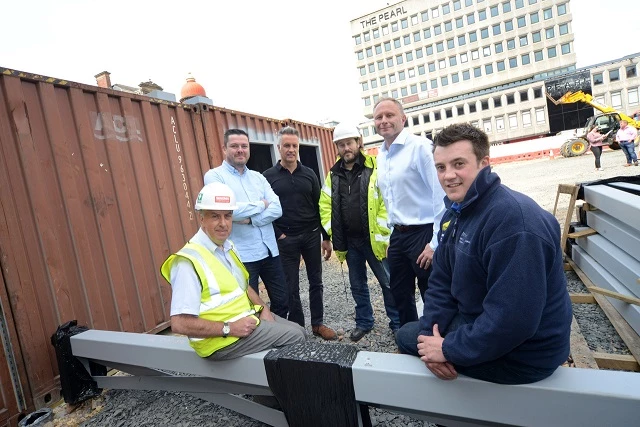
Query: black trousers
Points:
[597, 152]
[404, 249]
[291, 249]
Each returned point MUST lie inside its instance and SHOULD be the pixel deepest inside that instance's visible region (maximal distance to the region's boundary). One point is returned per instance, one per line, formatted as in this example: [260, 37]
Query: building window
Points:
[363, 71]
[424, 16]
[389, 62]
[597, 79]
[482, 15]
[396, 43]
[401, 75]
[565, 48]
[450, 44]
[426, 33]
[434, 83]
[500, 65]
[511, 99]
[475, 54]
[494, 10]
[459, 22]
[357, 39]
[526, 118]
[525, 59]
[486, 51]
[435, 12]
[523, 40]
[540, 115]
[432, 67]
[563, 29]
[424, 88]
[551, 52]
[457, 5]
[455, 78]
[468, 3]
[464, 57]
[394, 26]
[359, 54]
[460, 110]
[439, 47]
[616, 100]
[378, 49]
[466, 75]
[448, 26]
[409, 56]
[488, 69]
[521, 21]
[499, 124]
[471, 19]
[632, 96]
[513, 62]
[416, 36]
[437, 30]
[369, 52]
[537, 93]
[367, 36]
[511, 44]
[446, 9]
[444, 80]
[387, 46]
[506, 7]
[473, 37]
[414, 20]
[537, 55]
[413, 89]
[533, 1]
[484, 33]
[547, 13]
[442, 64]
[513, 121]
[484, 105]
[365, 131]
[453, 61]
[536, 37]
[562, 9]
[430, 49]
[487, 126]
[403, 92]
[383, 81]
[497, 102]
[367, 101]
[365, 86]
[508, 25]
[524, 96]
[631, 71]
[394, 93]
[477, 72]
[385, 30]
[419, 53]
[374, 84]
[519, 4]
[436, 115]
[462, 40]
[406, 39]
[472, 107]
[534, 18]
[550, 33]
[498, 47]
[614, 75]
[496, 29]
[392, 78]
[411, 72]
[376, 33]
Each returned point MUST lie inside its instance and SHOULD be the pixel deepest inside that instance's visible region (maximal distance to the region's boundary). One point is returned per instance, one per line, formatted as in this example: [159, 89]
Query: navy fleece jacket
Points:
[499, 264]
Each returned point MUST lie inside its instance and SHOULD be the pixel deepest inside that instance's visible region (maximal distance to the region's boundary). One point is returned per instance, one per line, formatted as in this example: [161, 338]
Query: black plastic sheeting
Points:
[627, 179]
[76, 383]
[313, 383]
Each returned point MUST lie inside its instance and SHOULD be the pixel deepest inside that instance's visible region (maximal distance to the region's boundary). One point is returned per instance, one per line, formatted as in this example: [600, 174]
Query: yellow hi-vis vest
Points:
[223, 299]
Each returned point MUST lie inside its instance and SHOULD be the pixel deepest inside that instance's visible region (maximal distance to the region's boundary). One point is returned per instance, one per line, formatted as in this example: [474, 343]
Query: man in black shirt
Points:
[298, 230]
[353, 213]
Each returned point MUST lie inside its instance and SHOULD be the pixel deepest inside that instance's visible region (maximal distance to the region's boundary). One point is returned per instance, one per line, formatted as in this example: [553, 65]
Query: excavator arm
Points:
[580, 96]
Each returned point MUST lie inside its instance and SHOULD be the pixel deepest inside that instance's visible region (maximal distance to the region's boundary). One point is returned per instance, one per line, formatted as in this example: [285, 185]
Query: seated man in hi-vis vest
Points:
[211, 301]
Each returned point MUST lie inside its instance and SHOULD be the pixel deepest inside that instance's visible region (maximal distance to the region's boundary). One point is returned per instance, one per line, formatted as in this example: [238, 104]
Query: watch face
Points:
[226, 329]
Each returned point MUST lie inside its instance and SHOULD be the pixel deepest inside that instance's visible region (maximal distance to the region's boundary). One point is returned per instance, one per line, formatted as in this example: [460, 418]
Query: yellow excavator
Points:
[607, 122]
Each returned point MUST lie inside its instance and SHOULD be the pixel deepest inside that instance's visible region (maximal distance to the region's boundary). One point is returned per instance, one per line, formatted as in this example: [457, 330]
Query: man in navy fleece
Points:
[497, 307]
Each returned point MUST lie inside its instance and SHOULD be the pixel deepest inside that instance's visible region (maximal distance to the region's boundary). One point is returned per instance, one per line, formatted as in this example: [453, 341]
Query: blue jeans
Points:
[270, 270]
[500, 371]
[629, 150]
[357, 257]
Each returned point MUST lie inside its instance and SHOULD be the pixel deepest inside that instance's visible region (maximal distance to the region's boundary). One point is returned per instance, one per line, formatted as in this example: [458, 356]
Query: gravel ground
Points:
[537, 178]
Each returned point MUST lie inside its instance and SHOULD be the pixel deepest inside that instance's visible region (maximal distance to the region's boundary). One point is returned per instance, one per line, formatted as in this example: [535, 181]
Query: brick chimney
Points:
[103, 79]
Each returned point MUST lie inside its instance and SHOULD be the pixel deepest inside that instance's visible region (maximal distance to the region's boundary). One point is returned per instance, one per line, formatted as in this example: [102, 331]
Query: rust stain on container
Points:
[97, 188]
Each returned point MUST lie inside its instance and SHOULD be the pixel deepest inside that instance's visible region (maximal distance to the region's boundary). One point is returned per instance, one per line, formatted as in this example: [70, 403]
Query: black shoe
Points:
[357, 334]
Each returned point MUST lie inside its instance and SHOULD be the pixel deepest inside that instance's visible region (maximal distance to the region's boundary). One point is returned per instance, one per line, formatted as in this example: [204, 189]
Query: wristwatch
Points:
[225, 329]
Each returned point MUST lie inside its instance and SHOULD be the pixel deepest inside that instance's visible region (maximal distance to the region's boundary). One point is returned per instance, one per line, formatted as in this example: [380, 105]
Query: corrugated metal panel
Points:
[97, 189]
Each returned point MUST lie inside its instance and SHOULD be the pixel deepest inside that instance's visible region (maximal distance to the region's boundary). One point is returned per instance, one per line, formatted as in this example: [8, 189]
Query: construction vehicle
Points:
[608, 123]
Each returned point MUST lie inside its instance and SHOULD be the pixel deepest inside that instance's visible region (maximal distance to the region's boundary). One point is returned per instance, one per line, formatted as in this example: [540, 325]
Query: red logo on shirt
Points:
[223, 199]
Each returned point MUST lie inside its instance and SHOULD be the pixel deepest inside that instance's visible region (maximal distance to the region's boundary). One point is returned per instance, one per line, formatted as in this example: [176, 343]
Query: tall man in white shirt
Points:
[414, 200]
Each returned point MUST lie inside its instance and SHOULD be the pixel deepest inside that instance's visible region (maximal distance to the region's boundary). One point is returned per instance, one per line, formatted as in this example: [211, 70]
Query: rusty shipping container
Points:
[96, 190]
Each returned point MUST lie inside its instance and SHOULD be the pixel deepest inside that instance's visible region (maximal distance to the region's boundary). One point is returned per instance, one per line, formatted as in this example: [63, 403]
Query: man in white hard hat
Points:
[211, 301]
[258, 207]
[353, 213]
[414, 201]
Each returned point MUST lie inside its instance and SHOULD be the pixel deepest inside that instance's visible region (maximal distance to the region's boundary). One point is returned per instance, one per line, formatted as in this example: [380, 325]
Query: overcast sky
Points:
[280, 59]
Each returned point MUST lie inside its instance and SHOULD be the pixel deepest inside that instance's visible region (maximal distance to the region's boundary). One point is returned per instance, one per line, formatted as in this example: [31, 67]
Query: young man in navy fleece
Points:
[497, 307]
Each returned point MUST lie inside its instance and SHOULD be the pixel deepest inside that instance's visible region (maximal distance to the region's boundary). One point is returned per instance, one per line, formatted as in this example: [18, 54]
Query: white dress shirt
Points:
[409, 183]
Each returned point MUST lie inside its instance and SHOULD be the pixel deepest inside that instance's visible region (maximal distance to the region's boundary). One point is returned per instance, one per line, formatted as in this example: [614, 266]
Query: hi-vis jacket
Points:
[372, 209]
[223, 299]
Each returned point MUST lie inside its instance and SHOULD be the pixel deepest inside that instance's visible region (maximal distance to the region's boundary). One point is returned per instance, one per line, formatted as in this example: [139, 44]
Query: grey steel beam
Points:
[602, 278]
[625, 185]
[185, 384]
[168, 353]
[616, 231]
[246, 407]
[570, 397]
[620, 204]
[622, 266]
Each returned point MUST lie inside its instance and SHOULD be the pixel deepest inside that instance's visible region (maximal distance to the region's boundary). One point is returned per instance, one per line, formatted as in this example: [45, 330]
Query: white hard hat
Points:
[344, 131]
[216, 197]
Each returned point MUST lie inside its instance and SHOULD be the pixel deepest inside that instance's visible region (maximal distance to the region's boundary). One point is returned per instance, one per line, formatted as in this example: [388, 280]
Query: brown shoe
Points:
[325, 332]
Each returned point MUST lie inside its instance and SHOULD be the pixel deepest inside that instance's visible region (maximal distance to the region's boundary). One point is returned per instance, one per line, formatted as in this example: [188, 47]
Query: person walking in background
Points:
[596, 139]
[626, 137]
[298, 230]
[258, 207]
[353, 213]
[414, 200]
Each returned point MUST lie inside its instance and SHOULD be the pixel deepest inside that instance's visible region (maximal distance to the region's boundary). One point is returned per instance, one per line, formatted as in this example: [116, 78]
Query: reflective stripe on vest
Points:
[222, 298]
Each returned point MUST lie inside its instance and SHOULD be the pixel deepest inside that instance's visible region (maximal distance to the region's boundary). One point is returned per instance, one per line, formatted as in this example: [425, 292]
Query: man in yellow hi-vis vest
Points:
[211, 301]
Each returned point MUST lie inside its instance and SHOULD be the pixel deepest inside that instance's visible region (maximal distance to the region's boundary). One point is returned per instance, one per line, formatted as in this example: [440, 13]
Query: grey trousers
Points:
[266, 336]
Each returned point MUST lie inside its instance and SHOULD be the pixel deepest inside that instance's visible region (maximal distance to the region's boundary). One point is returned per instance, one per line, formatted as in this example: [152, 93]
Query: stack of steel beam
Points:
[611, 258]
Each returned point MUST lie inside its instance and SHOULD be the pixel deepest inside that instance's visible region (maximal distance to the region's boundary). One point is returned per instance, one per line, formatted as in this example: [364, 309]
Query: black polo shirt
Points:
[299, 194]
